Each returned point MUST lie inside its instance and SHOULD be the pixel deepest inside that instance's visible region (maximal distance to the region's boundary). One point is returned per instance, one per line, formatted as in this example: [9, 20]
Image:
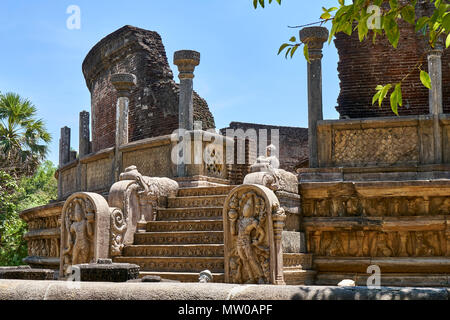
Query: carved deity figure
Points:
[250, 235]
[80, 233]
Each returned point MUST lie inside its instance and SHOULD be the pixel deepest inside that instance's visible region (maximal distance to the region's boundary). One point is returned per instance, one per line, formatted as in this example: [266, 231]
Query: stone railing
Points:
[43, 236]
[153, 157]
[381, 141]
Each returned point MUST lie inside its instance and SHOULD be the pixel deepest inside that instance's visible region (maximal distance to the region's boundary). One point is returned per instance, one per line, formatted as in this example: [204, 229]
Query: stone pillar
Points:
[84, 137]
[314, 37]
[435, 97]
[64, 146]
[186, 61]
[124, 83]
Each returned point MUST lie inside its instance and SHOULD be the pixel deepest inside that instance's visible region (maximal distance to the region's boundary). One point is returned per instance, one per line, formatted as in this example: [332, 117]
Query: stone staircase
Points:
[187, 238]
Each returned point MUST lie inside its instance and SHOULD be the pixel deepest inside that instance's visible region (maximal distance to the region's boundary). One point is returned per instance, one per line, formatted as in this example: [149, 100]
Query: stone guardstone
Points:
[107, 271]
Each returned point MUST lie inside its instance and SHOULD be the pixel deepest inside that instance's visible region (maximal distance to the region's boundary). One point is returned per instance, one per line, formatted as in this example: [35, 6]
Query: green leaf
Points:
[409, 14]
[362, 29]
[446, 22]
[420, 24]
[292, 39]
[306, 52]
[447, 42]
[376, 97]
[287, 52]
[255, 3]
[398, 88]
[383, 93]
[293, 50]
[342, 2]
[394, 102]
[425, 79]
[282, 47]
[325, 16]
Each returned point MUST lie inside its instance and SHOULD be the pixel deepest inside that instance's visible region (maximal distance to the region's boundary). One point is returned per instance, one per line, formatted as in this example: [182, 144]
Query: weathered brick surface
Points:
[293, 148]
[364, 65]
[153, 103]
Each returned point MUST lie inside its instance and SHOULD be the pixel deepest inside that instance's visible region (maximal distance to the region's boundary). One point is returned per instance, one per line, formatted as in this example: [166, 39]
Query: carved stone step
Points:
[196, 201]
[181, 237]
[189, 213]
[185, 225]
[186, 250]
[297, 261]
[176, 264]
[218, 277]
[204, 191]
[299, 277]
[386, 264]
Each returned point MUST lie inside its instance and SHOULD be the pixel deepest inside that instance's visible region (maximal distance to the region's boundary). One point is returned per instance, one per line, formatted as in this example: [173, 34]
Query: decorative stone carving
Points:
[285, 185]
[253, 223]
[85, 225]
[348, 206]
[136, 198]
[375, 146]
[265, 172]
[118, 228]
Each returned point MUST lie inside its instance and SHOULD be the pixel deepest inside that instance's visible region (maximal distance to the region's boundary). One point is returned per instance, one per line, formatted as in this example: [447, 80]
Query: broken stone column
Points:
[64, 146]
[186, 61]
[84, 136]
[314, 37]
[123, 83]
[435, 97]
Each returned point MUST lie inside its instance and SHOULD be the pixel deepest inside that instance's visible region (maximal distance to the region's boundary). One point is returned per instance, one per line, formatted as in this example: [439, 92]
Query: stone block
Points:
[108, 272]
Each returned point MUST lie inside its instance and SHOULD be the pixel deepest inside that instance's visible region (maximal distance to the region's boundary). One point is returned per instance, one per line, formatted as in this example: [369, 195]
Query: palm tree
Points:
[23, 138]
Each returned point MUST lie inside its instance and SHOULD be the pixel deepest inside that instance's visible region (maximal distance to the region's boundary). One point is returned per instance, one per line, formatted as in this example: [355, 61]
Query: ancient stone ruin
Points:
[330, 202]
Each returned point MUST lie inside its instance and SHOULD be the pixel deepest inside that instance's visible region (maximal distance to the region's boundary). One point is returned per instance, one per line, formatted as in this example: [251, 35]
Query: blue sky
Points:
[240, 74]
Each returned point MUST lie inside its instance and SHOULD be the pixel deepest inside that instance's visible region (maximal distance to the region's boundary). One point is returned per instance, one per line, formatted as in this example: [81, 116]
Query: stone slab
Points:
[26, 273]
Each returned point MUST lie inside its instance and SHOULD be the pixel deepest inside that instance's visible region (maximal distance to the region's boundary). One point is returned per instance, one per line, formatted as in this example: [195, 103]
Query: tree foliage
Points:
[360, 16]
[23, 138]
[16, 196]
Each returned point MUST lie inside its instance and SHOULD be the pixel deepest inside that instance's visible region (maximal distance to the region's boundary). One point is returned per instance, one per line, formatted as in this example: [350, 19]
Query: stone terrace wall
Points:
[293, 143]
[153, 103]
[364, 65]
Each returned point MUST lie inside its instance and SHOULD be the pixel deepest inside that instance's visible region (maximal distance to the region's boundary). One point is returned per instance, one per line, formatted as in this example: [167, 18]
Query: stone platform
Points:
[60, 290]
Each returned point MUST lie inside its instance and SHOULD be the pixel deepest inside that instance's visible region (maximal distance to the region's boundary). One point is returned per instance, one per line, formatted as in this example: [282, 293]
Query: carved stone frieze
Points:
[367, 243]
[345, 206]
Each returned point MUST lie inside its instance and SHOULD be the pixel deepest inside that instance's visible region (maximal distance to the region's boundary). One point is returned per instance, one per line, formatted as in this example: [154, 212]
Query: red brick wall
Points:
[364, 65]
[154, 101]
